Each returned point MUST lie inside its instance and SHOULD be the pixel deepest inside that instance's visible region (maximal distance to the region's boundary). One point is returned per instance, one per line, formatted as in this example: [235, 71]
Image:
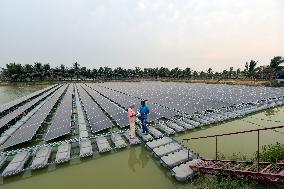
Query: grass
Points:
[224, 182]
[269, 153]
[276, 84]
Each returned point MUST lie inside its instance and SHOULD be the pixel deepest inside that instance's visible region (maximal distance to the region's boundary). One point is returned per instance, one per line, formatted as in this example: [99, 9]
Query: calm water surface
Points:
[135, 167]
[9, 93]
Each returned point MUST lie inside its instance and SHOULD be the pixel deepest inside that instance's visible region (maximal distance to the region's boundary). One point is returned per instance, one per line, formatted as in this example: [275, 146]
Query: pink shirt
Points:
[131, 115]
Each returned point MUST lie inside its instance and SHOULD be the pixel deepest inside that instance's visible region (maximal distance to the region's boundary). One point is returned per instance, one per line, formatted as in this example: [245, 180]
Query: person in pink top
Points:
[131, 117]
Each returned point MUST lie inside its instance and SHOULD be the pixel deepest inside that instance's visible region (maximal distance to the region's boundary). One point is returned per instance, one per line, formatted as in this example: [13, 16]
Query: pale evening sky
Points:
[145, 33]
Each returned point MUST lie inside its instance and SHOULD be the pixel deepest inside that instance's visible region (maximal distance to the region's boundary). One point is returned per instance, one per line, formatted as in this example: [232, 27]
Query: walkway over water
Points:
[69, 121]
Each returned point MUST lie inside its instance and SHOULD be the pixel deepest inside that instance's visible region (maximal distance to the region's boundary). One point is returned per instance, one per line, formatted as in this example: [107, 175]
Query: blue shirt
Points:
[144, 110]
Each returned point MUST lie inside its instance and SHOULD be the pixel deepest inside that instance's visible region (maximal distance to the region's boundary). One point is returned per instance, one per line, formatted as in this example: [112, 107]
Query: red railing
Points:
[235, 133]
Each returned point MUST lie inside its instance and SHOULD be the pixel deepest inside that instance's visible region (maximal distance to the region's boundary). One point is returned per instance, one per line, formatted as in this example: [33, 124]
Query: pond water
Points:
[134, 167]
[9, 93]
[245, 143]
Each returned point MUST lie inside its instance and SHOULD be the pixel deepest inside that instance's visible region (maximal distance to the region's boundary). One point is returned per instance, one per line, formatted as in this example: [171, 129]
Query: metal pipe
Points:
[234, 133]
[216, 149]
[258, 151]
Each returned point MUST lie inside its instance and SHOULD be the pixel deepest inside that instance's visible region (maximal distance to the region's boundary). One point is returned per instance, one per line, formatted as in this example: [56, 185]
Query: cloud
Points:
[145, 33]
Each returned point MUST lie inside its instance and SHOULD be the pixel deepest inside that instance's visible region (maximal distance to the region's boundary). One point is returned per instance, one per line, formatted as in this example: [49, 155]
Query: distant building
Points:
[280, 77]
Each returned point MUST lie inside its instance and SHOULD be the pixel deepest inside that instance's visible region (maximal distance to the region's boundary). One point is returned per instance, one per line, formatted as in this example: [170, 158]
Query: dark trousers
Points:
[144, 126]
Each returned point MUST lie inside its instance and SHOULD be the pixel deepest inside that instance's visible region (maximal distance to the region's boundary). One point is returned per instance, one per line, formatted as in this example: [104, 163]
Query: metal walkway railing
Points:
[264, 172]
[259, 171]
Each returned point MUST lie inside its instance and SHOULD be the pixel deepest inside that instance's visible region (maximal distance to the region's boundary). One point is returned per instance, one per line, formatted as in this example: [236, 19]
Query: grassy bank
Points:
[221, 182]
[32, 83]
[207, 81]
[227, 81]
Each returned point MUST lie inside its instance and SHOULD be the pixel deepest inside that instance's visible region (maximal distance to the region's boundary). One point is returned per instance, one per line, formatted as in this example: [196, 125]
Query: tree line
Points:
[42, 72]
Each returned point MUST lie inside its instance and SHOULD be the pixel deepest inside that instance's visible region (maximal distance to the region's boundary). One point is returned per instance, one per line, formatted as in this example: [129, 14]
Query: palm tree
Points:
[76, 66]
[195, 74]
[250, 69]
[187, 73]
[46, 70]
[138, 72]
[83, 72]
[238, 73]
[231, 71]
[275, 65]
[38, 70]
[29, 71]
[94, 73]
[224, 74]
[13, 71]
[210, 73]
[62, 70]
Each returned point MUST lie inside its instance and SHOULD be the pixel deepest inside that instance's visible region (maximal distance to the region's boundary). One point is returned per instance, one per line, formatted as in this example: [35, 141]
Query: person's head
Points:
[143, 102]
[132, 106]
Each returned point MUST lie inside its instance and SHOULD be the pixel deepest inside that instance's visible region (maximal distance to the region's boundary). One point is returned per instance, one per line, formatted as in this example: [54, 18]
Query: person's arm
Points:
[147, 110]
[132, 113]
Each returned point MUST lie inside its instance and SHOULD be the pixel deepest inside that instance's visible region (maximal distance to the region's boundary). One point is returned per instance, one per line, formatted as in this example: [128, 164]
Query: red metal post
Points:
[258, 151]
[216, 153]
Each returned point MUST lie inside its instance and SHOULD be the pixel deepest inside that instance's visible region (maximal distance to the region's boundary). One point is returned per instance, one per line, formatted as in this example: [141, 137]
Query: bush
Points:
[272, 153]
[225, 182]
[276, 84]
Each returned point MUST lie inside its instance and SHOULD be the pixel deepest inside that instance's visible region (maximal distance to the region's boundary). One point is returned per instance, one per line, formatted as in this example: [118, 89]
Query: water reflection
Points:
[132, 160]
[142, 159]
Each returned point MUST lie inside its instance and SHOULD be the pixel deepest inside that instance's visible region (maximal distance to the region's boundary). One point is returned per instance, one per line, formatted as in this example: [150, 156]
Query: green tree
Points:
[250, 69]
[231, 72]
[76, 68]
[210, 73]
[187, 72]
[238, 73]
[275, 65]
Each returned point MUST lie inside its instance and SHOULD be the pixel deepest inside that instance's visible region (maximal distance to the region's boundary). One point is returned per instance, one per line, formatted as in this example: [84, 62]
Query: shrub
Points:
[272, 153]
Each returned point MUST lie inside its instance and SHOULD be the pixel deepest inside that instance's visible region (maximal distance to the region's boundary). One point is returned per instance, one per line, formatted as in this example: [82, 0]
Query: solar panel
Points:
[13, 114]
[29, 128]
[96, 117]
[189, 97]
[118, 114]
[16, 102]
[61, 121]
[156, 111]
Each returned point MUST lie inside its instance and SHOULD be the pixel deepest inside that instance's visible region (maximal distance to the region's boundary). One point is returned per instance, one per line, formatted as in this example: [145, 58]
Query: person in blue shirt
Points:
[144, 111]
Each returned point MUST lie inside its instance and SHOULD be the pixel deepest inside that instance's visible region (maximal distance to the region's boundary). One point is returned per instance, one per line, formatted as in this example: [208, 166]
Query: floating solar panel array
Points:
[189, 98]
[30, 127]
[12, 115]
[125, 101]
[118, 114]
[61, 121]
[96, 117]
[18, 101]
[214, 116]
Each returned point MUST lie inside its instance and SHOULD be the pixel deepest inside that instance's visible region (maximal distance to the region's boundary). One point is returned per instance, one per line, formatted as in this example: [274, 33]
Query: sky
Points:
[146, 33]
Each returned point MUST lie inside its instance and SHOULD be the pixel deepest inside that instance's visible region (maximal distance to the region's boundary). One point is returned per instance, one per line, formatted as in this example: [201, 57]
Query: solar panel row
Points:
[29, 128]
[124, 100]
[189, 98]
[12, 115]
[118, 114]
[96, 117]
[61, 121]
[18, 101]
